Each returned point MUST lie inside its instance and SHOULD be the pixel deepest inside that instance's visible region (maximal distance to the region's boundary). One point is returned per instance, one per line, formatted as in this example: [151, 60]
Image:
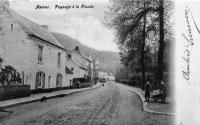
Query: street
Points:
[106, 105]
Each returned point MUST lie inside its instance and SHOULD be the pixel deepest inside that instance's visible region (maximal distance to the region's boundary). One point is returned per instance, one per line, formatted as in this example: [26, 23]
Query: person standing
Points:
[147, 91]
[163, 91]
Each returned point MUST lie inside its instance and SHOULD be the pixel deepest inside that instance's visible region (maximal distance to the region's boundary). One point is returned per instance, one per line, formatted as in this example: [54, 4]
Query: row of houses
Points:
[106, 75]
[37, 55]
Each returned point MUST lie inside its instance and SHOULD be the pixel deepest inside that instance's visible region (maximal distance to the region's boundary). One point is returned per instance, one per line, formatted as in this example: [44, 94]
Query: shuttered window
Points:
[59, 59]
[40, 54]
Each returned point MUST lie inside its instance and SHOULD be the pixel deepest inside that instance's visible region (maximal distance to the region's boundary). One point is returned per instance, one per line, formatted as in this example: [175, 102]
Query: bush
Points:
[9, 75]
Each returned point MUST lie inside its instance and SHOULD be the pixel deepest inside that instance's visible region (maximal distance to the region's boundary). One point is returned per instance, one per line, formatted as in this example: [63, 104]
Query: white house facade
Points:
[32, 50]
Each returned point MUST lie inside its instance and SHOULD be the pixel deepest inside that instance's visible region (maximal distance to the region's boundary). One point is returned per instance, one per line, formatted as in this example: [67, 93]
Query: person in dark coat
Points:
[147, 91]
[163, 91]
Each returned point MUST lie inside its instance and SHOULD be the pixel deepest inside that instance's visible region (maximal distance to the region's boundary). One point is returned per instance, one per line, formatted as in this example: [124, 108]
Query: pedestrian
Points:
[163, 91]
[147, 91]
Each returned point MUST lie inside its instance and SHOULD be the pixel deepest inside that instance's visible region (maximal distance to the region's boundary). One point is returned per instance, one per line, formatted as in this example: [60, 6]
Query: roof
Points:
[86, 57]
[34, 29]
[79, 64]
[82, 54]
[82, 68]
[68, 71]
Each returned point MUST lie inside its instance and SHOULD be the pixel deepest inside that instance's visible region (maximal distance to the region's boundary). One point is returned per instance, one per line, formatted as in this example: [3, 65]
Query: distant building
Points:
[84, 65]
[110, 76]
[32, 50]
[102, 74]
[74, 67]
[96, 69]
[106, 75]
[69, 68]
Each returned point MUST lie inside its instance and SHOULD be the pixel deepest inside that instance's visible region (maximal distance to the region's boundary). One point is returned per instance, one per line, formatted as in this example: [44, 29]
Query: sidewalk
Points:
[36, 97]
[153, 107]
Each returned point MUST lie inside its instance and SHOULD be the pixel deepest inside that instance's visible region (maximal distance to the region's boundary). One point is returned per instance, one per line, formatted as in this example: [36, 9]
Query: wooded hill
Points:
[109, 61]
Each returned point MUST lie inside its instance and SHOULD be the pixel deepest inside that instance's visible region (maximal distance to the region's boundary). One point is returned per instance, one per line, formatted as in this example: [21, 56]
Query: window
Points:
[11, 27]
[59, 59]
[40, 80]
[69, 56]
[40, 54]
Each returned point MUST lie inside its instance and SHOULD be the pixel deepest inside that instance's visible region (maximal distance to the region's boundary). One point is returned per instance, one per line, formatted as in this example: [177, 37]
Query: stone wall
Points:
[14, 91]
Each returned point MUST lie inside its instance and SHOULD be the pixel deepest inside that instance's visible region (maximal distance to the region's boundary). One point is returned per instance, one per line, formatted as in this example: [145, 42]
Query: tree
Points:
[131, 32]
[8, 75]
[134, 23]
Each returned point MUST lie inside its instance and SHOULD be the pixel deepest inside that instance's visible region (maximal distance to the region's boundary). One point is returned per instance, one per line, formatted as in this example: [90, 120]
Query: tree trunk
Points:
[142, 53]
[161, 42]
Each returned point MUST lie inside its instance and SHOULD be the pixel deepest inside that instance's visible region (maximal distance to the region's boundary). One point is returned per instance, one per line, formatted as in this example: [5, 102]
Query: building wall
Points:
[69, 78]
[78, 62]
[77, 71]
[21, 51]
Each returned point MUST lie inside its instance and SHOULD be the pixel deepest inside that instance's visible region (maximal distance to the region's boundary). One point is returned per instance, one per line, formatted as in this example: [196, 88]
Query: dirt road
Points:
[108, 105]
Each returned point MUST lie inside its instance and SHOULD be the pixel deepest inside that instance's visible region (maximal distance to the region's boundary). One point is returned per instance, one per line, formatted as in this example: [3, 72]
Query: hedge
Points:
[14, 91]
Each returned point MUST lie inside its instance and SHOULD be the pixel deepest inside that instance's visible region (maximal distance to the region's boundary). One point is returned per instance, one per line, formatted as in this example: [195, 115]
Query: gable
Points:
[33, 29]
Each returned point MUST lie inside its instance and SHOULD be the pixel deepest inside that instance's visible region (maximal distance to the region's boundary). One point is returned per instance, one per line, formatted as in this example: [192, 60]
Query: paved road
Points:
[108, 105]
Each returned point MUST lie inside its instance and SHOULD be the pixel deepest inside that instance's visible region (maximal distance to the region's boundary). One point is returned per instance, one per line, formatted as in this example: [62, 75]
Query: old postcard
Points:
[187, 62]
[99, 62]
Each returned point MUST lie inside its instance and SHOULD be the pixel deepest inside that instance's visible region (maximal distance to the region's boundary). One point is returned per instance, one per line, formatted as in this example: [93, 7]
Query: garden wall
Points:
[14, 91]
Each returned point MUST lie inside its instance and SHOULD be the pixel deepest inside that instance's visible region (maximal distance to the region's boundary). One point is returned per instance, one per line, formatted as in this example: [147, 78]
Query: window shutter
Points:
[43, 81]
[60, 80]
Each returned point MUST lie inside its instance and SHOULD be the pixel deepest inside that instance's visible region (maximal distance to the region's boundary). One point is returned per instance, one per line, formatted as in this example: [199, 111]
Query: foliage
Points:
[1, 60]
[141, 29]
[9, 75]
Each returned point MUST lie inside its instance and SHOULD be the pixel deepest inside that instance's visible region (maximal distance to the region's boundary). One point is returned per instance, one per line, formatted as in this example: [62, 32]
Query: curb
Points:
[48, 97]
[145, 104]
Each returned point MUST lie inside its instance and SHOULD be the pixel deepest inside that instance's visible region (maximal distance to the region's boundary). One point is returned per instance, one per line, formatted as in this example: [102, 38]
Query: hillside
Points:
[109, 61]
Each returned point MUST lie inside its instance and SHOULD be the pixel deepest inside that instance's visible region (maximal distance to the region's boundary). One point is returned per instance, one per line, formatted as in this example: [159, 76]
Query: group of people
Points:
[161, 95]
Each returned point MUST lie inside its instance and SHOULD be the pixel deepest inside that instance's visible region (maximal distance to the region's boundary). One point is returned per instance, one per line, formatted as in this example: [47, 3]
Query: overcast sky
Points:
[84, 25]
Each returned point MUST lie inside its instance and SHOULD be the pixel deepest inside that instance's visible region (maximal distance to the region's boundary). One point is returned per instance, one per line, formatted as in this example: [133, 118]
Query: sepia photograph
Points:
[99, 62]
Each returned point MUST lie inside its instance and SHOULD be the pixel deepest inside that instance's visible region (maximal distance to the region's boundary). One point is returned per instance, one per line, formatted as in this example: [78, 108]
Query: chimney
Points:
[77, 48]
[4, 2]
[45, 27]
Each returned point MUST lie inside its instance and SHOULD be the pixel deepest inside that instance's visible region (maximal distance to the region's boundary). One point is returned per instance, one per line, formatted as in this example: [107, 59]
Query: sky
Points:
[83, 24]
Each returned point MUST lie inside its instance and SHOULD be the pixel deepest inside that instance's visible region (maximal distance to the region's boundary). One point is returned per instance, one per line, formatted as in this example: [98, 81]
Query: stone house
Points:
[71, 68]
[83, 67]
[32, 50]
[69, 75]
